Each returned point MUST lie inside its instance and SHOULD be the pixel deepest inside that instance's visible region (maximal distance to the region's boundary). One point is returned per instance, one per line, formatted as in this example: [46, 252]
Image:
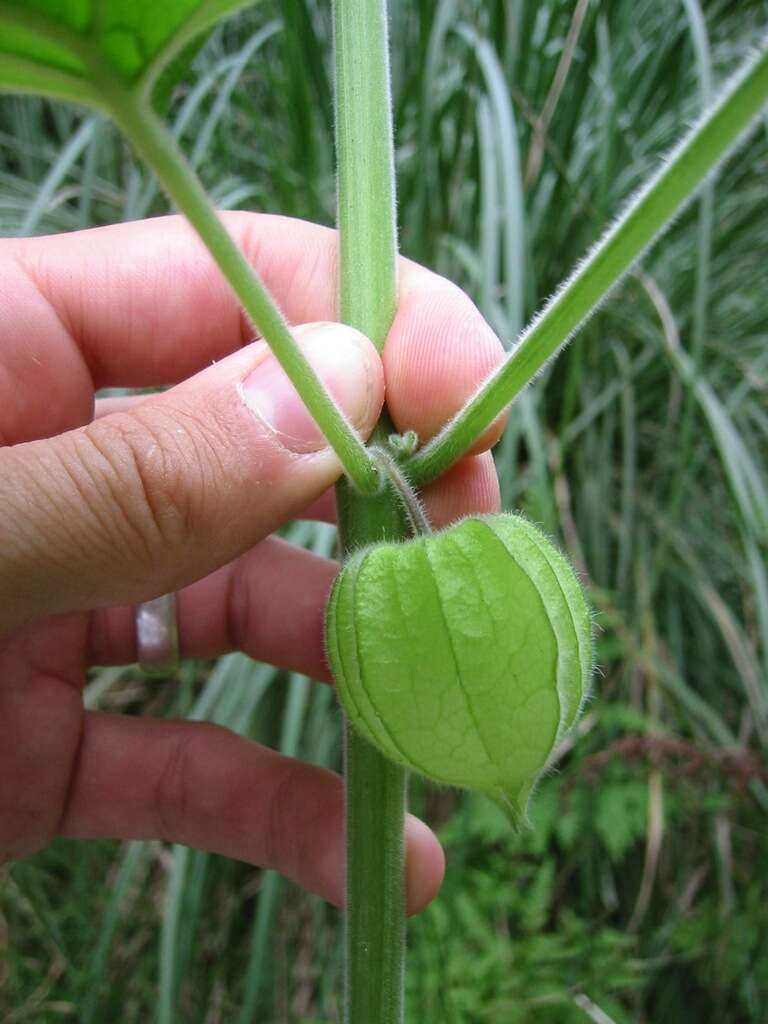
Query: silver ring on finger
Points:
[157, 636]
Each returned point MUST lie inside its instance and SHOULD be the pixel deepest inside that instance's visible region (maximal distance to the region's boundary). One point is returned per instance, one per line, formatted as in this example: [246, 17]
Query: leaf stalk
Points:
[643, 220]
[160, 152]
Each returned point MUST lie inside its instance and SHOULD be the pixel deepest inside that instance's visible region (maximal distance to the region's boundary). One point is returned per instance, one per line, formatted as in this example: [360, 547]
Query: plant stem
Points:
[159, 150]
[645, 217]
[415, 513]
[375, 788]
[366, 175]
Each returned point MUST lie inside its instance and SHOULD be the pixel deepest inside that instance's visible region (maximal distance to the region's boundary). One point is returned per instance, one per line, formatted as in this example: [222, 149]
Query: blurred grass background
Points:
[641, 894]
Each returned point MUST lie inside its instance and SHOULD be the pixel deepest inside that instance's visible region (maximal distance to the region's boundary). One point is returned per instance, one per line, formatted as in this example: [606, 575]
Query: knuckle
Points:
[37, 774]
[171, 798]
[304, 834]
[157, 474]
[283, 835]
[241, 629]
[103, 471]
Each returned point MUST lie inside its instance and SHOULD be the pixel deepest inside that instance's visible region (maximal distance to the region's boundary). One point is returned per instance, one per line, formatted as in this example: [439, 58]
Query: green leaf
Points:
[464, 655]
[73, 49]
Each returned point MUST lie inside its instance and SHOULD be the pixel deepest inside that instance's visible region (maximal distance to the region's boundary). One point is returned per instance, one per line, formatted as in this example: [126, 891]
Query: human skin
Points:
[106, 503]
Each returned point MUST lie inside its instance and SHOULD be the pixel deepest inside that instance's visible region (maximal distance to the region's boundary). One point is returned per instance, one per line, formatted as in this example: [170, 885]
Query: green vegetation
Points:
[639, 894]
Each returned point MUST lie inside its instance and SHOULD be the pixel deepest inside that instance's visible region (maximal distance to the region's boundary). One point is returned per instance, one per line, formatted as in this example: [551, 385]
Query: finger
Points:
[208, 788]
[471, 487]
[143, 304]
[116, 403]
[270, 603]
[139, 503]
[438, 352]
[41, 709]
[322, 509]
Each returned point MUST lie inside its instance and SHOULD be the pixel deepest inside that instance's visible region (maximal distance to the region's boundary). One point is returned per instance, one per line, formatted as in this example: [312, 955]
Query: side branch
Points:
[646, 216]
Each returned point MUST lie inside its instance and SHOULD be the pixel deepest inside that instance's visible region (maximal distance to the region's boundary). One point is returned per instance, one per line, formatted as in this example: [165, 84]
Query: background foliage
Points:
[640, 894]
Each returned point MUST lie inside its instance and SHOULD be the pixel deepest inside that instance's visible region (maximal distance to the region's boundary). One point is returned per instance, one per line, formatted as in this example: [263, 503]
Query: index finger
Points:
[143, 304]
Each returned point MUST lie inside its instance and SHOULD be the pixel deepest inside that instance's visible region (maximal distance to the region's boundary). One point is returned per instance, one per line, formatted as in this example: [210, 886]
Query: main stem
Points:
[375, 788]
[158, 149]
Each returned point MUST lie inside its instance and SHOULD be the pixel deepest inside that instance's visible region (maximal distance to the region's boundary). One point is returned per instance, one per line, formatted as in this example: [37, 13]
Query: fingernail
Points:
[340, 358]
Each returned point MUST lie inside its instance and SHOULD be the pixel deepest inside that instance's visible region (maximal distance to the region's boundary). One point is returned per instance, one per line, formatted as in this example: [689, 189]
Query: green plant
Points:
[518, 367]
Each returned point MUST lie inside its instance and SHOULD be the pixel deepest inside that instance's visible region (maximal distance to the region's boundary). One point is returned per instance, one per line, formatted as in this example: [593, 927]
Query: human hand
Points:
[107, 504]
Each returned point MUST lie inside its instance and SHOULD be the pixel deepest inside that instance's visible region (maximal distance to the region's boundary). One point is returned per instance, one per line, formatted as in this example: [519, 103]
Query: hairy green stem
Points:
[158, 149]
[414, 511]
[365, 159]
[374, 959]
[375, 788]
[645, 217]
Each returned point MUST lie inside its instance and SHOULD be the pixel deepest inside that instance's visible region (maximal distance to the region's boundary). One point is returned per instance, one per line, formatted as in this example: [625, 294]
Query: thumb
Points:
[142, 502]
